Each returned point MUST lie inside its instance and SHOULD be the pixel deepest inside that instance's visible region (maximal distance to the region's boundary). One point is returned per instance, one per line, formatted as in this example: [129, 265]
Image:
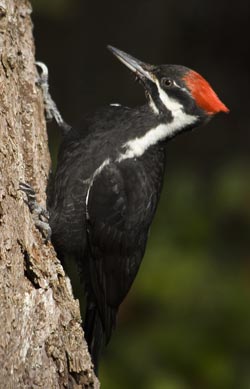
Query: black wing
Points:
[118, 210]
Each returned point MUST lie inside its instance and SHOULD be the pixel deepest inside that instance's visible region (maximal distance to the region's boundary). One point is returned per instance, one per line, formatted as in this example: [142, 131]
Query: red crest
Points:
[203, 94]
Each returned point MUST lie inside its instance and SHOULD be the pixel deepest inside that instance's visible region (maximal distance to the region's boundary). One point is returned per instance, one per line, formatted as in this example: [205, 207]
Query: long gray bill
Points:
[137, 66]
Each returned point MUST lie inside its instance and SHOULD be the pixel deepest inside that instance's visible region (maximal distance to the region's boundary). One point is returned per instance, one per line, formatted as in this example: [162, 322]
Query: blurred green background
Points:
[186, 322]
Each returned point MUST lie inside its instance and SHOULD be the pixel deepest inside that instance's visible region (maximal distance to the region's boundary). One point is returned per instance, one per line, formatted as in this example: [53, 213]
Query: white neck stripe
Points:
[136, 147]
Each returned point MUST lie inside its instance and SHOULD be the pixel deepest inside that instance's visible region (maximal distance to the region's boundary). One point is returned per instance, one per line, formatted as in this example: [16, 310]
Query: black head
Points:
[174, 88]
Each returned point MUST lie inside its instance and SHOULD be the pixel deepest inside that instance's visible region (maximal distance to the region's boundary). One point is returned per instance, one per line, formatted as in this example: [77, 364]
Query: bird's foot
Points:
[51, 109]
[39, 214]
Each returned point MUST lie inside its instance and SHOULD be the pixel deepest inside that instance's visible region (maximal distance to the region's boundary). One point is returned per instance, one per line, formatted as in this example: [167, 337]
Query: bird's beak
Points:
[141, 69]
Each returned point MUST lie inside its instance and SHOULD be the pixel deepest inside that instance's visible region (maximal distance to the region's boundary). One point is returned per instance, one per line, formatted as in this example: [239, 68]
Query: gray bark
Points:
[41, 341]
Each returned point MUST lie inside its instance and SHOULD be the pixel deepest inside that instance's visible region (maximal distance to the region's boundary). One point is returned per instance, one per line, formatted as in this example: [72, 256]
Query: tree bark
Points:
[41, 340]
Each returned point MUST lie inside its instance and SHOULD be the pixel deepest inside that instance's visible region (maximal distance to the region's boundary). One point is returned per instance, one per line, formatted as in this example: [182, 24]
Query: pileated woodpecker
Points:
[108, 182]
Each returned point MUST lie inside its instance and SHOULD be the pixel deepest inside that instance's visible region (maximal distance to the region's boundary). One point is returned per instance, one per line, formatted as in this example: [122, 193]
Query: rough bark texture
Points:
[41, 340]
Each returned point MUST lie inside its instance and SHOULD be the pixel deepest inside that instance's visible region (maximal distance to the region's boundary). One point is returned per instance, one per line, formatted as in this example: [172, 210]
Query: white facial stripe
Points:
[136, 147]
[170, 103]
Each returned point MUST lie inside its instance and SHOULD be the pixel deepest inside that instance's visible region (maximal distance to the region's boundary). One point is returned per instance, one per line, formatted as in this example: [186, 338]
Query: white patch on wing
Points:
[96, 172]
[115, 105]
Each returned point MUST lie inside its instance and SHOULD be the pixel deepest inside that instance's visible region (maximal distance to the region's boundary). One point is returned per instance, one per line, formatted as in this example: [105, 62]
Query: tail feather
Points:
[96, 335]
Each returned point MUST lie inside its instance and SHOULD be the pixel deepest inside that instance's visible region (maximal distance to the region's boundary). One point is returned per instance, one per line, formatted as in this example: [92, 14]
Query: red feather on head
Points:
[203, 94]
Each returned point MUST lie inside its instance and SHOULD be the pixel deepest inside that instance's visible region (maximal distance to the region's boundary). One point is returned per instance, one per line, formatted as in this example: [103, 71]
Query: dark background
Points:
[186, 321]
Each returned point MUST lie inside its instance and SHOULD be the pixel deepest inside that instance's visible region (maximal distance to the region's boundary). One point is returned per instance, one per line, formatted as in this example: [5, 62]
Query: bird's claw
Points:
[39, 214]
[51, 109]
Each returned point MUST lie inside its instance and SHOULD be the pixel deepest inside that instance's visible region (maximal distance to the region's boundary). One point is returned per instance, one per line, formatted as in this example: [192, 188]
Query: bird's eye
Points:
[166, 82]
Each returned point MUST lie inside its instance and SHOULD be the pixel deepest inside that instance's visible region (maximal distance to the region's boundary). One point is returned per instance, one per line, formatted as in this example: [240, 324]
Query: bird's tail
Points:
[96, 335]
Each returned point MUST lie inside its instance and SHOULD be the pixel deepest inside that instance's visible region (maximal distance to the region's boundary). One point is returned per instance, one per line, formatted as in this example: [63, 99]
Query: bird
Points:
[108, 181]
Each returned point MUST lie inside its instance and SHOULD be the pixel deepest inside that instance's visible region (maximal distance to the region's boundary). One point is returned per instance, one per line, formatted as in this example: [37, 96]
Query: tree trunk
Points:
[41, 341]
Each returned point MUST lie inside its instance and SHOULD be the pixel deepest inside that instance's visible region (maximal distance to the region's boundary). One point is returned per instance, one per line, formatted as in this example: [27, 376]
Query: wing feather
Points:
[116, 249]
